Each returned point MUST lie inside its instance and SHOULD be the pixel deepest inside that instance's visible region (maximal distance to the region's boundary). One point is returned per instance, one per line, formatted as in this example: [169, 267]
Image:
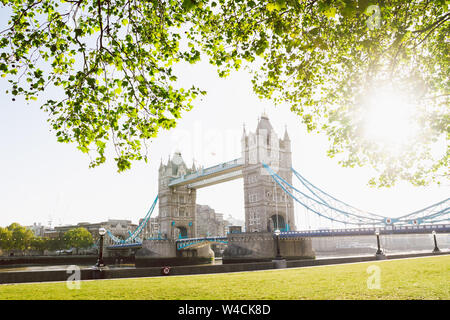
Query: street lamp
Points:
[277, 235]
[436, 249]
[379, 252]
[100, 263]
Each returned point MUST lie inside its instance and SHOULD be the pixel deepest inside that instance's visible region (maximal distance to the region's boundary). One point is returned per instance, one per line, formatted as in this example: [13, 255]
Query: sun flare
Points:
[389, 118]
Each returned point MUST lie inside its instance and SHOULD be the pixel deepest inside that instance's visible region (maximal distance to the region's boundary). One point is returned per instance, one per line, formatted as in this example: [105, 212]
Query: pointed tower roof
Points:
[177, 158]
[286, 136]
[264, 123]
[244, 133]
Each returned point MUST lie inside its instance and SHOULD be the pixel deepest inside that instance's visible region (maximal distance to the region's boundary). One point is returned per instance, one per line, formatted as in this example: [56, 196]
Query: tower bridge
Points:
[265, 167]
[266, 206]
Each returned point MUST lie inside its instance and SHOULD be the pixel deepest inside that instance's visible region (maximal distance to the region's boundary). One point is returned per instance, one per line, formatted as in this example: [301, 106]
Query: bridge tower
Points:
[176, 204]
[267, 207]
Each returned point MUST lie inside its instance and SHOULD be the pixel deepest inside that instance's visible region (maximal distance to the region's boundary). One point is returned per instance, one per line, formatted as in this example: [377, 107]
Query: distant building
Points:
[43, 231]
[119, 228]
[38, 229]
[52, 234]
[234, 222]
[234, 229]
[209, 222]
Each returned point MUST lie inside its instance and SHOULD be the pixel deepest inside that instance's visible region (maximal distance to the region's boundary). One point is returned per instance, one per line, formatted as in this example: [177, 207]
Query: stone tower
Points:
[176, 204]
[267, 206]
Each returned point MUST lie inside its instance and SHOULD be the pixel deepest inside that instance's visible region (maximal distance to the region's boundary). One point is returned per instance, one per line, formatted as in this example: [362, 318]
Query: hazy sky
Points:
[42, 180]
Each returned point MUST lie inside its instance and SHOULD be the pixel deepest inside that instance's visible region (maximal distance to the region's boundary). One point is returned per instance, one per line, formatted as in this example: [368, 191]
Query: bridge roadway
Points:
[418, 229]
[197, 242]
[180, 243]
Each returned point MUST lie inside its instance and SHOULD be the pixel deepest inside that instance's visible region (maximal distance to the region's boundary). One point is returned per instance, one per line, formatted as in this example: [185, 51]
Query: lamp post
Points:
[379, 254]
[436, 249]
[100, 263]
[277, 235]
[377, 233]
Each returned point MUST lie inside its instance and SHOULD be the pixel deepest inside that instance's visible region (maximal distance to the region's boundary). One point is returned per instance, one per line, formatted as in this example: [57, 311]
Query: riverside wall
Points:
[262, 246]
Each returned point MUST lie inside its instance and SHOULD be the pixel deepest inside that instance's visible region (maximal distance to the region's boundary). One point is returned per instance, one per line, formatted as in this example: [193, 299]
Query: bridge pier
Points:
[165, 253]
[126, 252]
[199, 252]
[261, 246]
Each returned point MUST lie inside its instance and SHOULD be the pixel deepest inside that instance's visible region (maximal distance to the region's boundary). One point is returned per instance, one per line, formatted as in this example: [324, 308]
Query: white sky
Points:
[41, 179]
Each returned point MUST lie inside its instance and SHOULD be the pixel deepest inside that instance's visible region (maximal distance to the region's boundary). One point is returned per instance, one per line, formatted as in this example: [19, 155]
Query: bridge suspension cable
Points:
[428, 214]
[320, 208]
[330, 200]
[134, 235]
[328, 207]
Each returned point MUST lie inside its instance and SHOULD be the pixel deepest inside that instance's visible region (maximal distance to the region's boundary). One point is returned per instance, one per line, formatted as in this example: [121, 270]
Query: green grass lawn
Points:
[419, 278]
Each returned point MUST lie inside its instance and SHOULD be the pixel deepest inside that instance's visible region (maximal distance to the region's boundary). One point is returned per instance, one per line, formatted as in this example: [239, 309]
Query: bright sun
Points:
[389, 118]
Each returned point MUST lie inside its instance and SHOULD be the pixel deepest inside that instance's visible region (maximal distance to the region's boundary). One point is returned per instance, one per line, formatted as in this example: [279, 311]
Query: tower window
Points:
[253, 197]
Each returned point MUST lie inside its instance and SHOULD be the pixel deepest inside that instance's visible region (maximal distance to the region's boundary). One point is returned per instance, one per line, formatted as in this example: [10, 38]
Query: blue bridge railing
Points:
[187, 242]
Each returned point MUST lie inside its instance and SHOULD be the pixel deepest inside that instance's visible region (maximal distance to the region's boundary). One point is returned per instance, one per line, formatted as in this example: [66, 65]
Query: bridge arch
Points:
[277, 221]
[180, 232]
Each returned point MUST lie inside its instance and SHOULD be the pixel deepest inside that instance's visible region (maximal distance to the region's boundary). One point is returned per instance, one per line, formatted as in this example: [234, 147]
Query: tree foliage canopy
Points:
[113, 61]
[16, 236]
[78, 238]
